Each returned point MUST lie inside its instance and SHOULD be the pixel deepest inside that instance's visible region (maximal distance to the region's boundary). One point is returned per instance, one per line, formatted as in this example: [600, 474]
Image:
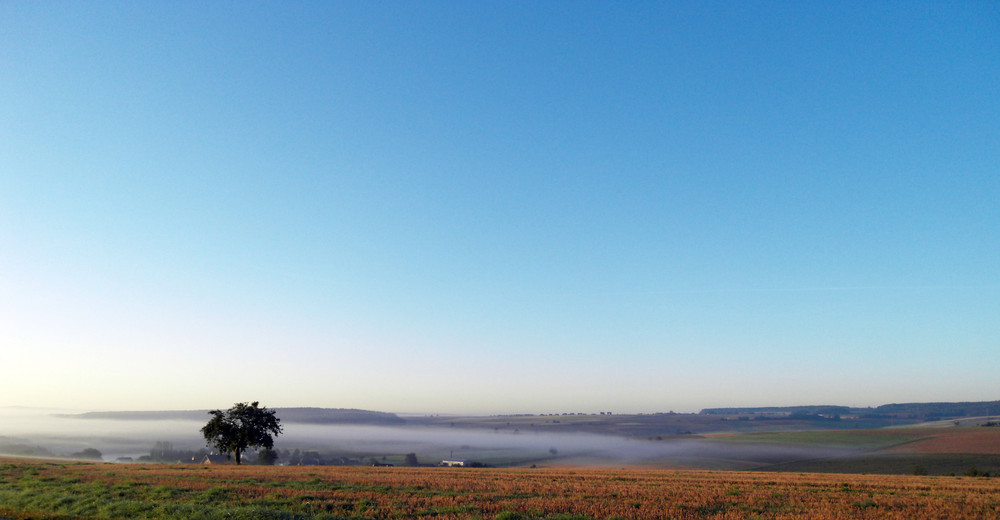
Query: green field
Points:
[858, 439]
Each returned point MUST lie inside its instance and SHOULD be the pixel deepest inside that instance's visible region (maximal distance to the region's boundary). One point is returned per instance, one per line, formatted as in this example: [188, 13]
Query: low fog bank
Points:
[507, 447]
[42, 431]
[60, 434]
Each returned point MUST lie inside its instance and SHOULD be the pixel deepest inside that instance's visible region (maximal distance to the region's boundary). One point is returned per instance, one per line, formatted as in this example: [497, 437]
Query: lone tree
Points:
[240, 427]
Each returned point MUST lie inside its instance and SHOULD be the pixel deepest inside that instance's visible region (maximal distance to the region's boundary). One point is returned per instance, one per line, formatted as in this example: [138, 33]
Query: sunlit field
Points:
[50, 489]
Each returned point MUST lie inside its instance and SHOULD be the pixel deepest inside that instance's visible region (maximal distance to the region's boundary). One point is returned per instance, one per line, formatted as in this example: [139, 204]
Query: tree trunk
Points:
[236, 455]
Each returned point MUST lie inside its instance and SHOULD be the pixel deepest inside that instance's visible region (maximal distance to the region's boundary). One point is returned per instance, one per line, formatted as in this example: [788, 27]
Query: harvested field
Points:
[956, 440]
[39, 489]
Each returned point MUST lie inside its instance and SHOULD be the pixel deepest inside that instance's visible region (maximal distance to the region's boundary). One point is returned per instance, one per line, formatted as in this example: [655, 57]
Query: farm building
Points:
[453, 463]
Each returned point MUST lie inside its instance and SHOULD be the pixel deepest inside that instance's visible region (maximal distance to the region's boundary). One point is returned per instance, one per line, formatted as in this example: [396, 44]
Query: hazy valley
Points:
[936, 438]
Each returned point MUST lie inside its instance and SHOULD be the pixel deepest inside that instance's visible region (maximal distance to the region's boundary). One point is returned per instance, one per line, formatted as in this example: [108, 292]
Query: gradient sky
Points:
[499, 207]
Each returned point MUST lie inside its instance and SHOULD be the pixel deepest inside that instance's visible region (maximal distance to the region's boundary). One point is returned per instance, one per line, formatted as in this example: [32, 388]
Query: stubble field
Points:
[48, 489]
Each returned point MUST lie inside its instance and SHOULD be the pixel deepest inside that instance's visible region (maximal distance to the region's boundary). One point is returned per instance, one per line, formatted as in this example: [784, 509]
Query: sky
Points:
[498, 207]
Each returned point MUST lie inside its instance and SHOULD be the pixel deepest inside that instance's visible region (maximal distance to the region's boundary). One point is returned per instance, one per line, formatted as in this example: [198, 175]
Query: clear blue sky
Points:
[499, 207]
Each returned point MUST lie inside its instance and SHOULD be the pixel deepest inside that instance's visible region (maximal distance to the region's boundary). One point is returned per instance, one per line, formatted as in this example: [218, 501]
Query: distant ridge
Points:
[942, 410]
[336, 416]
[929, 411]
[158, 415]
[287, 415]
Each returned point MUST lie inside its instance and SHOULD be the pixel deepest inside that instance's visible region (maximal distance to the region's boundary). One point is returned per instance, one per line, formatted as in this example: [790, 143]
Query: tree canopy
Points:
[240, 427]
[89, 453]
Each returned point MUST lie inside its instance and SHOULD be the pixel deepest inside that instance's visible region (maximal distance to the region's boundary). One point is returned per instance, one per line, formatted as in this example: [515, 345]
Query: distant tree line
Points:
[163, 451]
[12, 447]
[790, 410]
[88, 454]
